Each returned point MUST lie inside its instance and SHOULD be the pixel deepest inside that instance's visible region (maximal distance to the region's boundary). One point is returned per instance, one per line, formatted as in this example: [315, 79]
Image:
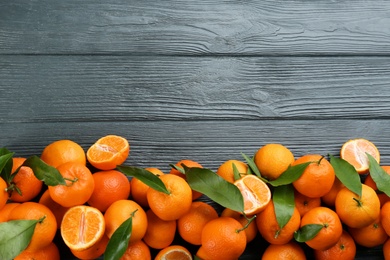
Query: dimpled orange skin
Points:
[62, 151]
[222, 239]
[174, 205]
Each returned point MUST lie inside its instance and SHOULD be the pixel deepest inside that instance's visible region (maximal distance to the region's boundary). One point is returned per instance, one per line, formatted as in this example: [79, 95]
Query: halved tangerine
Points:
[108, 152]
[174, 252]
[354, 151]
[255, 192]
[82, 227]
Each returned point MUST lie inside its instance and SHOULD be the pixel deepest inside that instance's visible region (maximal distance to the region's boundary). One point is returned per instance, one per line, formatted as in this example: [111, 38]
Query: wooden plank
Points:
[195, 28]
[160, 143]
[106, 88]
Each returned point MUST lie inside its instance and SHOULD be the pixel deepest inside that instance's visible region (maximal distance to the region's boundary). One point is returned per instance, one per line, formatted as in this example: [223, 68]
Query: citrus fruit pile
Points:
[306, 206]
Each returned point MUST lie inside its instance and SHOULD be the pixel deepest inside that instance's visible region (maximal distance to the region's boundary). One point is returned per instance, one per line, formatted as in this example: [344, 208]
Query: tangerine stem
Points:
[358, 202]
[319, 161]
[249, 221]
[72, 181]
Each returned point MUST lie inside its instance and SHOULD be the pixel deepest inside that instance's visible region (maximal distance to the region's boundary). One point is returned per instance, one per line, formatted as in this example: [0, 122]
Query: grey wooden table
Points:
[204, 80]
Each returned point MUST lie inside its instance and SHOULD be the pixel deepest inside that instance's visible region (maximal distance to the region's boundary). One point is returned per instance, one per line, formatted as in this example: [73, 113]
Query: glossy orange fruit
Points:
[319, 175]
[137, 250]
[62, 151]
[331, 230]
[44, 231]
[4, 211]
[79, 185]
[329, 198]
[369, 236]
[159, 233]
[188, 163]
[273, 159]
[120, 211]
[57, 209]
[82, 227]
[174, 205]
[385, 217]
[190, 225]
[354, 151]
[108, 152]
[383, 198]
[344, 249]
[251, 229]
[255, 192]
[355, 211]
[222, 238]
[386, 250]
[94, 252]
[174, 252]
[226, 169]
[24, 180]
[288, 251]
[304, 203]
[269, 228]
[49, 252]
[110, 186]
[138, 189]
[3, 193]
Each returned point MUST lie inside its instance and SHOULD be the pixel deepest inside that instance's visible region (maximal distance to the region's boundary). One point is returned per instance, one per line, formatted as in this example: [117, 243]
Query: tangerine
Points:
[226, 169]
[62, 151]
[344, 249]
[138, 189]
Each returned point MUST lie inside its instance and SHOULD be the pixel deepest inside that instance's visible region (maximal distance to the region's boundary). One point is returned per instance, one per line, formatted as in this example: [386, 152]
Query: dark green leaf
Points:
[44, 172]
[307, 232]
[178, 168]
[216, 188]
[119, 240]
[236, 173]
[380, 176]
[15, 235]
[290, 175]
[6, 164]
[253, 166]
[284, 204]
[347, 174]
[145, 176]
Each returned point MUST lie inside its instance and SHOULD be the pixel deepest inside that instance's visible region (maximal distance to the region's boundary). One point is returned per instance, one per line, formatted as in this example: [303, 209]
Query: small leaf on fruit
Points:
[178, 168]
[290, 175]
[119, 240]
[284, 204]
[253, 166]
[236, 173]
[15, 235]
[44, 172]
[6, 164]
[307, 232]
[216, 188]
[379, 175]
[347, 174]
[145, 176]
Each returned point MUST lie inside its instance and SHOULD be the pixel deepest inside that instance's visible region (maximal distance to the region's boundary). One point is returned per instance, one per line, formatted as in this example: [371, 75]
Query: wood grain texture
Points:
[160, 143]
[115, 88]
[195, 27]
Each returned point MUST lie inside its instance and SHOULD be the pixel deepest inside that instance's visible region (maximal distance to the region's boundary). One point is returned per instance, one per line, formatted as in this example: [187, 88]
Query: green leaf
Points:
[15, 235]
[178, 168]
[284, 204]
[236, 173]
[6, 164]
[119, 240]
[253, 167]
[347, 174]
[290, 175]
[145, 176]
[307, 232]
[44, 172]
[216, 188]
[380, 176]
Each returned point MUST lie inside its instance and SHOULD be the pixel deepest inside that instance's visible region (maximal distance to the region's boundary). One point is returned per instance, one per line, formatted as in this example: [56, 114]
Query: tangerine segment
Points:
[108, 152]
[354, 151]
[255, 192]
[82, 227]
[174, 252]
